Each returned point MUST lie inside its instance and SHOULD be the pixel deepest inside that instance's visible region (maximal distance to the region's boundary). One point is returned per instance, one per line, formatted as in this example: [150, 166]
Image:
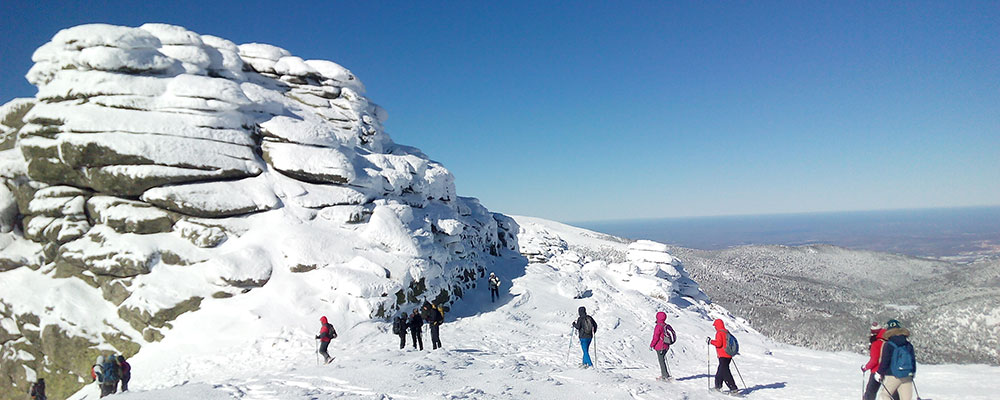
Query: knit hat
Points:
[892, 324]
[876, 327]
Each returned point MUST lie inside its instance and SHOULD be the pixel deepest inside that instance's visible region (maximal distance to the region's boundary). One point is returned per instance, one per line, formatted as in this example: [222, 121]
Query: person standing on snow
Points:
[494, 287]
[723, 374]
[126, 370]
[416, 324]
[434, 320]
[585, 327]
[399, 327]
[326, 332]
[877, 339]
[898, 363]
[663, 337]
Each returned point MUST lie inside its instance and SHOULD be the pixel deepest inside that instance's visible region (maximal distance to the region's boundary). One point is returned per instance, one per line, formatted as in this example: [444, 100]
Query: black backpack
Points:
[398, 325]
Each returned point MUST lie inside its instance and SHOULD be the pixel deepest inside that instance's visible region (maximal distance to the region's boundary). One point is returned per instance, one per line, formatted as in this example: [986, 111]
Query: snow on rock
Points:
[164, 170]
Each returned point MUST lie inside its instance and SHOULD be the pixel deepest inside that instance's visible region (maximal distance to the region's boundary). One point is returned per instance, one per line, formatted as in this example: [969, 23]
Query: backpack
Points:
[732, 345]
[669, 336]
[396, 326]
[108, 374]
[902, 363]
[440, 314]
[330, 332]
[587, 326]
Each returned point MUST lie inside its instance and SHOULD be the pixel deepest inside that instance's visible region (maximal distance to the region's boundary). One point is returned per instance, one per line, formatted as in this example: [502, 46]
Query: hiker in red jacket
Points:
[325, 334]
[723, 374]
[877, 339]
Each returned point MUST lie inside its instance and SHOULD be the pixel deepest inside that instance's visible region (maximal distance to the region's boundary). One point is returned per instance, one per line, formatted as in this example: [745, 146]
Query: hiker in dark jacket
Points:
[896, 341]
[326, 332]
[434, 320]
[585, 327]
[37, 391]
[494, 287]
[415, 324]
[399, 325]
[126, 372]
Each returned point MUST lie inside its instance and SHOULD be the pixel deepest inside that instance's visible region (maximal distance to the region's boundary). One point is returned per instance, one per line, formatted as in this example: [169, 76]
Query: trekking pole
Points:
[317, 351]
[594, 358]
[569, 348]
[915, 391]
[864, 385]
[738, 373]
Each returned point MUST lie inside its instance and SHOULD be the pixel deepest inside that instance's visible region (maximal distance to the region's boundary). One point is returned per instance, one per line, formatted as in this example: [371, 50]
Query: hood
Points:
[582, 310]
[100, 360]
[880, 334]
[719, 325]
[661, 317]
[896, 334]
[322, 319]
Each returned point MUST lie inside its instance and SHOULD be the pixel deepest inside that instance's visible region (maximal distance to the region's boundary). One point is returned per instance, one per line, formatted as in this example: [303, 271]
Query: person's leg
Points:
[322, 350]
[125, 382]
[402, 340]
[719, 374]
[585, 344]
[889, 386]
[420, 339]
[660, 356]
[413, 337]
[435, 337]
[730, 381]
[873, 387]
[905, 389]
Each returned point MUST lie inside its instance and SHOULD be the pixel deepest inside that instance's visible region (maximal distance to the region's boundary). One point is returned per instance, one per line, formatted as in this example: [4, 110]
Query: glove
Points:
[862, 368]
[317, 336]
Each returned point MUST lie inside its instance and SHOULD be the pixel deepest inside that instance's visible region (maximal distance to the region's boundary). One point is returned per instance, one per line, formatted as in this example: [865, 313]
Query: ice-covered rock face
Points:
[163, 168]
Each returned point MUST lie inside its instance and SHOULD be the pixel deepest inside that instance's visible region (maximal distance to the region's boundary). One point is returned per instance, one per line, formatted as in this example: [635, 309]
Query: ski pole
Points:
[317, 351]
[917, 392]
[708, 366]
[569, 348]
[594, 360]
[738, 373]
[864, 385]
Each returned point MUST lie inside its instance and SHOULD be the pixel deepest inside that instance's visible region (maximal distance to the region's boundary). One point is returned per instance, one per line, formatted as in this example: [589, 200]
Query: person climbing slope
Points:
[494, 287]
[126, 371]
[663, 337]
[326, 332]
[585, 327]
[898, 363]
[434, 319]
[37, 391]
[723, 374]
[399, 328]
[416, 324]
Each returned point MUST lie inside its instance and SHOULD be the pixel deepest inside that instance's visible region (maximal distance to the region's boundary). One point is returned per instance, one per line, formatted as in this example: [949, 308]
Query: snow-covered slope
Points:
[517, 348]
[158, 170]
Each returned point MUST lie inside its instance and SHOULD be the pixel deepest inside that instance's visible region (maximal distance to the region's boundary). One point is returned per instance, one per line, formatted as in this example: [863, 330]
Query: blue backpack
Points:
[109, 372]
[732, 345]
[902, 362]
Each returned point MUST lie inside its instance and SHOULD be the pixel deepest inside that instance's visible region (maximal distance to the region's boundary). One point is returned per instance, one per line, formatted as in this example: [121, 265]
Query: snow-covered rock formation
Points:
[165, 168]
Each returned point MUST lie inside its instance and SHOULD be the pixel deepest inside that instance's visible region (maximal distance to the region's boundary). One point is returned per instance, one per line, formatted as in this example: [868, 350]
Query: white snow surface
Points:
[260, 345]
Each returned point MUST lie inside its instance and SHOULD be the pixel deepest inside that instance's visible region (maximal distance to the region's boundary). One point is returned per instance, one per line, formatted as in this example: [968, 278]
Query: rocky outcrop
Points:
[157, 158]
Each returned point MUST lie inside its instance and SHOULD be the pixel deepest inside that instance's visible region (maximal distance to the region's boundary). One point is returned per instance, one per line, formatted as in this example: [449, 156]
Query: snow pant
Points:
[660, 356]
[723, 374]
[402, 340]
[585, 344]
[494, 294]
[125, 380]
[417, 340]
[322, 350]
[874, 386]
[435, 337]
[108, 388]
[903, 387]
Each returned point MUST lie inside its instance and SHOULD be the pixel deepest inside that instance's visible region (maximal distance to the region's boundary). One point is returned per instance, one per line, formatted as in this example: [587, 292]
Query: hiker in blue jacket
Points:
[898, 363]
[585, 327]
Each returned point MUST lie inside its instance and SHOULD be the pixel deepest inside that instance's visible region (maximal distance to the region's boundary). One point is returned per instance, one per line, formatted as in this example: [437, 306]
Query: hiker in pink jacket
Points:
[663, 337]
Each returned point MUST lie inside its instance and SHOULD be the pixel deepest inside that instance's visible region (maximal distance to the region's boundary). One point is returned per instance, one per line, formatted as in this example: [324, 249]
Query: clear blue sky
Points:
[579, 111]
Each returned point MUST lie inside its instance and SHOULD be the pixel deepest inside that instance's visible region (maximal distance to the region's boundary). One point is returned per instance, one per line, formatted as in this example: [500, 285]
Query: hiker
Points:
[898, 363]
[325, 334]
[37, 391]
[723, 374]
[434, 318]
[126, 374]
[877, 339]
[585, 327]
[494, 287]
[399, 328]
[415, 323]
[107, 373]
[663, 337]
